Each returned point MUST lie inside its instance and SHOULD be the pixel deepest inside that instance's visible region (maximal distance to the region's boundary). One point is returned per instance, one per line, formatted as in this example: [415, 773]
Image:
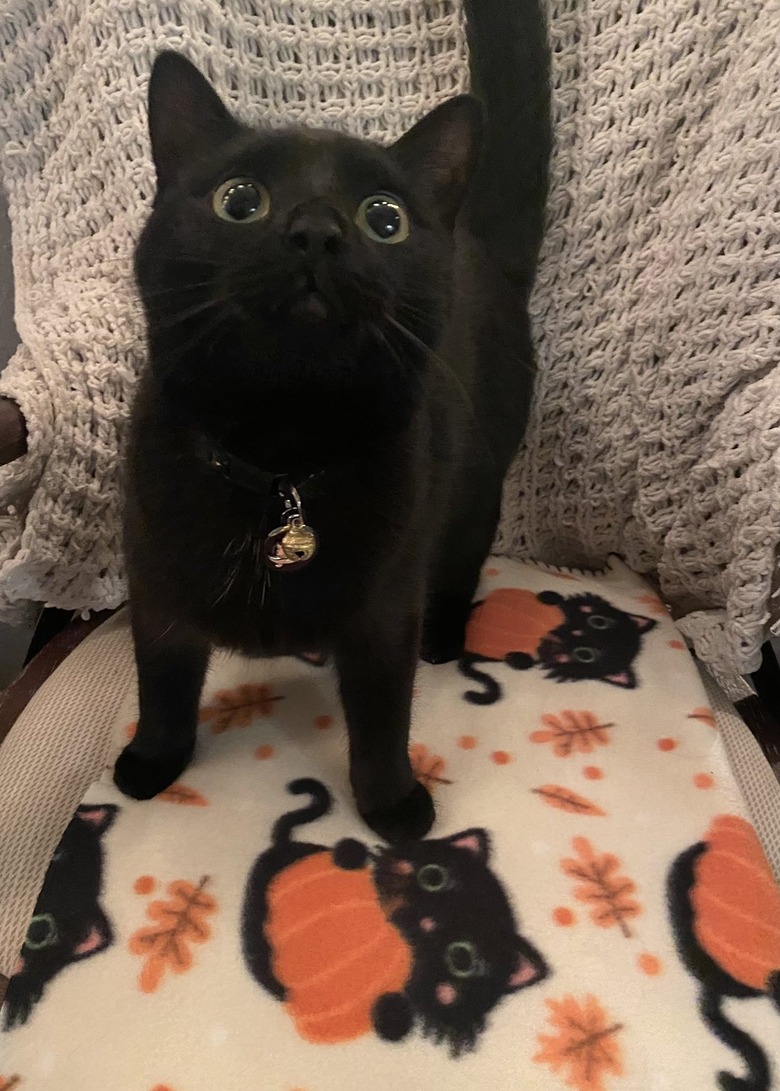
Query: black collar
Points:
[248, 477]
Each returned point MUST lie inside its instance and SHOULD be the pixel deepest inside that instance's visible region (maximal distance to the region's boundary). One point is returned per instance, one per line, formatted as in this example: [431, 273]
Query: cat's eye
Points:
[241, 201]
[585, 655]
[383, 218]
[41, 932]
[596, 621]
[462, 959]
[433, 877]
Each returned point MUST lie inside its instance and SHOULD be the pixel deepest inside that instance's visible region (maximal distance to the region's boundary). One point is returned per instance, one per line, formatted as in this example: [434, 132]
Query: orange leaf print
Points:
[427, 767]
[179, 922]
[585, 1046]
[7, 1082]
[705, 715]
[238, 707]
[180, 793]
[567, 800]
[602, 886]
[653, 604]
[571, 732]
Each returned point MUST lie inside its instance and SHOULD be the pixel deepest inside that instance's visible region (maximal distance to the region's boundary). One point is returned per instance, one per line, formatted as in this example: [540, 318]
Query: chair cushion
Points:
[592, 909]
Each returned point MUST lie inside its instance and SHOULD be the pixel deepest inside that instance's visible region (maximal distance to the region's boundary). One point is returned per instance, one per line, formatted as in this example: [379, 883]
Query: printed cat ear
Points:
[475, 841]
[187, 118]
[440, 153]
[643, 624]
[99, 818]
[626, 679]
[530, 968]
[97, 938]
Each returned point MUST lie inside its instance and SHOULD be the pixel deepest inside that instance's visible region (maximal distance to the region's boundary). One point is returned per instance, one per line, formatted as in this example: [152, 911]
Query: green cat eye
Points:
[383, 218]
[241, 201]
[596, 621]
[462, 959]
[432, 877]
[41, 932]
[585, 655]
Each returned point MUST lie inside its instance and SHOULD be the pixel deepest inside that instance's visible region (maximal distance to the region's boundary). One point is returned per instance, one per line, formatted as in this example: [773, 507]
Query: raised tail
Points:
[510, 73]
[491, 690]
[758, 1077]
[320, 805]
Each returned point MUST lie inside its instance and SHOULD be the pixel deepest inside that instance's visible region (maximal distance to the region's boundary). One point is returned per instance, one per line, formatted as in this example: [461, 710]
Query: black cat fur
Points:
[242, 356]
[471, 908]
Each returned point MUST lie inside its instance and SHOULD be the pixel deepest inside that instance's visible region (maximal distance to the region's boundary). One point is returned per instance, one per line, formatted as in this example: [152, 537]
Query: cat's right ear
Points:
[187, 118]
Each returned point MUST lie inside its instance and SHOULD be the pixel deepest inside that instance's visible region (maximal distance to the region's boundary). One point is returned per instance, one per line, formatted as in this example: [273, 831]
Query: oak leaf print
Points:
[180, 793]
[585, 1046]
[601, 886]
[705, 715]
[427, 767]
[571, 732]
[567, 800]
[238, 707]
[179, 922]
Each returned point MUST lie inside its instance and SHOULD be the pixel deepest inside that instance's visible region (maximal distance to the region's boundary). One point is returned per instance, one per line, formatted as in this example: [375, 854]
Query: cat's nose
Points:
[315, 232]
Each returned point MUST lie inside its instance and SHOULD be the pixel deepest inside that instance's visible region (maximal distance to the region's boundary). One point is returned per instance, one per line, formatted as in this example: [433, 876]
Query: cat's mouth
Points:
[308, 303]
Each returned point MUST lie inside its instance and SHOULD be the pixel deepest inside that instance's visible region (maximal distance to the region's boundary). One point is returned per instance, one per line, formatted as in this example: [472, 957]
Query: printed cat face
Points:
[451, 909]
[67, 924]
[268, 244]
[597, 641]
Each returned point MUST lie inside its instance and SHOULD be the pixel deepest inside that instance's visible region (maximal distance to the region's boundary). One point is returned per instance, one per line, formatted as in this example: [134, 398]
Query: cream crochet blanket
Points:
[657, 426]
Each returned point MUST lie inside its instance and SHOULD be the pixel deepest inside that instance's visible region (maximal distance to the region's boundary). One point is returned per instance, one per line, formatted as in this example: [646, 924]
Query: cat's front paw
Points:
[444, 630]
[408, 820]
[142, 778]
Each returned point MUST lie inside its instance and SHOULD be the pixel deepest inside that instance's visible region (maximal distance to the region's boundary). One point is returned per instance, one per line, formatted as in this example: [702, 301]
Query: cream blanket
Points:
[656, 430]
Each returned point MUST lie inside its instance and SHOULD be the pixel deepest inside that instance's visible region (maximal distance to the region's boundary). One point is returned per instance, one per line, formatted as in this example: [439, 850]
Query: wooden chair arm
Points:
[13, 432]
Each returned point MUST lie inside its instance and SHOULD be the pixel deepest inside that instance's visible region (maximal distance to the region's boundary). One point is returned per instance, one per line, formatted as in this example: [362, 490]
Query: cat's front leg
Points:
[376, 659]
[171, 662]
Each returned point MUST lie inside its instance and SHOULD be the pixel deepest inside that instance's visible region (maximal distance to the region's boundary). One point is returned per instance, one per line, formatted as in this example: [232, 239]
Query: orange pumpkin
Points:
[736, 903]
[334, 949]
[510, 620]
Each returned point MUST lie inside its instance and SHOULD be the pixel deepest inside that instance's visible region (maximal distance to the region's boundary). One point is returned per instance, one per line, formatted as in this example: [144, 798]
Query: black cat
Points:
[438, 898]
[338, 340]
[571, 639]
[68, 924]
[717, 983]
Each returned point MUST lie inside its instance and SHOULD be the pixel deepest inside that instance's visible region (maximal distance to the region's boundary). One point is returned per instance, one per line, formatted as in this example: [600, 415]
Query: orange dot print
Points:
[130, 731]
[491, 571]
[564, 916]
[264, 752]
[162, 1087]
[679, 644]
[704, 780]
[467, 742]
[667, 744]
[323, 722]
[500, 757]
[144, 884]
[649, 964]
[593, 772]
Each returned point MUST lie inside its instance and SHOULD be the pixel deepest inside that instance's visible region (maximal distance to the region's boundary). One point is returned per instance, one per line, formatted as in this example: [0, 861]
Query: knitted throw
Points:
[656, 431]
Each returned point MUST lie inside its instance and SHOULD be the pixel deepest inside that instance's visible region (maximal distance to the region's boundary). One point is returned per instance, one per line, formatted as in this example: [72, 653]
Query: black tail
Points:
[491, 690]
[749, 1050]
[320, 805]
[510, 72]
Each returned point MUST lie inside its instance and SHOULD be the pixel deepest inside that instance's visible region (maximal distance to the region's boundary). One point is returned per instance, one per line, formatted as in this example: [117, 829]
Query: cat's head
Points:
[295, 258]
[67, 924]
[452, 910]
[597, 641]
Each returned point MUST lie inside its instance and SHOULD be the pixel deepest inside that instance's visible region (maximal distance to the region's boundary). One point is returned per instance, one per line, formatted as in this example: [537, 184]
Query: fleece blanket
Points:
[592, 909]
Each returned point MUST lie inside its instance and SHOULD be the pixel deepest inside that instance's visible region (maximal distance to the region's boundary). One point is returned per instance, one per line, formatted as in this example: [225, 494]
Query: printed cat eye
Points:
[241, 201]
[585, 655]
[41, 932]
[432, 877]
[383, 218]
[461, 959]
[596, 621]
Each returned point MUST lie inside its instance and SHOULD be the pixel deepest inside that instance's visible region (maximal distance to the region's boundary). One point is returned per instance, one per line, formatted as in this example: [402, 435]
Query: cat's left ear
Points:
[643, 624]
[187, 118]
[530, 967]
[625, 679]
[475, 841]
[440, 152]
[98, 937]
[99, 818]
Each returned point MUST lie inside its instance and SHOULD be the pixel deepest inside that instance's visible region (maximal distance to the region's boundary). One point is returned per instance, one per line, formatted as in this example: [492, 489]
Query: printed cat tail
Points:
[758, 1077]
[320, 805]
[491, 690]
[510, 73]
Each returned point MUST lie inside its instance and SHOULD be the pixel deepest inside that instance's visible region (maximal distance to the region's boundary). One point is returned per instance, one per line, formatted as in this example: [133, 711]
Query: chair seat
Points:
[592, 910]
